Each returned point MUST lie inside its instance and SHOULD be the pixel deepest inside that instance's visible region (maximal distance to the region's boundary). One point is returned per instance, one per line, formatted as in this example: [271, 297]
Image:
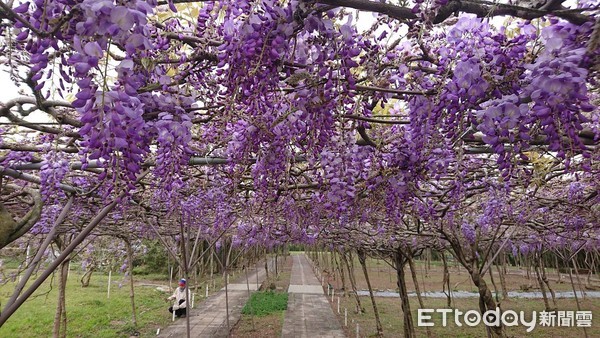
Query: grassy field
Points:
[263, 303]
[89, 312]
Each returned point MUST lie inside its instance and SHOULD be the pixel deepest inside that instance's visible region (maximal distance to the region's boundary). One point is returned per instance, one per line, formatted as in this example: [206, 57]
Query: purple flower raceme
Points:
[289, 94]
[114, 131]
[555, 99]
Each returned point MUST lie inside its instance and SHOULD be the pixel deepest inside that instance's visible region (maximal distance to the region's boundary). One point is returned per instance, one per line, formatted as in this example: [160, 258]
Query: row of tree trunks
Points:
[335, 262]
[474, 267]
[542, 285]
[348, 262]
[340, 271]
[576, 298]
[401, 261]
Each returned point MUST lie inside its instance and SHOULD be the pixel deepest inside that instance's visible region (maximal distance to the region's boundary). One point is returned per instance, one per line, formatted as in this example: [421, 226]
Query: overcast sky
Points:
[7, 88]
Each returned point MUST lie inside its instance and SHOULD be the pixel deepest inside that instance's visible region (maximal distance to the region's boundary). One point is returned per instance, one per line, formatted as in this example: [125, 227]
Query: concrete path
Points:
[209, 318]
[308, 314]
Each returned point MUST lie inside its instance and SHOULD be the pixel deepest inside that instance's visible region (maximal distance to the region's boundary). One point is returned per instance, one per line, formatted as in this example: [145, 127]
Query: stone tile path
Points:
[209, 318]
[309, 313]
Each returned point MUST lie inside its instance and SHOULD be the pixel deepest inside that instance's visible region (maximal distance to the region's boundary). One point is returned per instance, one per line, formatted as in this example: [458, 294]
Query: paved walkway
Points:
[209, 318]
[308, 314]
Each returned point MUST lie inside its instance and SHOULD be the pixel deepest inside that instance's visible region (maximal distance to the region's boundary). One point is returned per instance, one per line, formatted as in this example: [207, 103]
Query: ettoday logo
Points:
[497, 317]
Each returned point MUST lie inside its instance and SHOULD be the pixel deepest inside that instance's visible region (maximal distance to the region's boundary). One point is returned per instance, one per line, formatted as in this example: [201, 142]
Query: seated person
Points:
[180, 297]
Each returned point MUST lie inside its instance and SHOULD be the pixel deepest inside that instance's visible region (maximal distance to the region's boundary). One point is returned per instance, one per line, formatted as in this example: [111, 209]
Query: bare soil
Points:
[391, 317]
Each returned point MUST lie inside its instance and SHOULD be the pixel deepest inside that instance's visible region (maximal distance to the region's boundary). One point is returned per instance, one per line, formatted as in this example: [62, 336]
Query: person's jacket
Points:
[179, 295]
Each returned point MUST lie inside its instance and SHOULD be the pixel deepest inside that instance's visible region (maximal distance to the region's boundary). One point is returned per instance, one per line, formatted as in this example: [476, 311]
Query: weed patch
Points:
[264, 303]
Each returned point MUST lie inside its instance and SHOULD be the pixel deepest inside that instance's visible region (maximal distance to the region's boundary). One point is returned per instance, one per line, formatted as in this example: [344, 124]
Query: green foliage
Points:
[11, 262]
[154, 260]
[296, 247]
[265, 303]
[141, 270]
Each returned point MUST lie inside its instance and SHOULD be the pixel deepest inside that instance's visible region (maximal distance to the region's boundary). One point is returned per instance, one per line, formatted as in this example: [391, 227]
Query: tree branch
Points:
[480, 8]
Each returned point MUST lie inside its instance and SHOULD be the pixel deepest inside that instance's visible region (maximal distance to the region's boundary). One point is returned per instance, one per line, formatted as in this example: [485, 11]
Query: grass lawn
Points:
[264, 303]
[89, 312]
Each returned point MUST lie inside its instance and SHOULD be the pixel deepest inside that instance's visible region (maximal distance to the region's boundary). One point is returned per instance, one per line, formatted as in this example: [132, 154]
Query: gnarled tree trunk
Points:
[502, 274]
[362, 259]
[131, 286]
[60, 316]
[10, 229]
[400, 262]
[87, 276]
[541, 282]
[446, 281]
[486, 300]
[413, 272]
